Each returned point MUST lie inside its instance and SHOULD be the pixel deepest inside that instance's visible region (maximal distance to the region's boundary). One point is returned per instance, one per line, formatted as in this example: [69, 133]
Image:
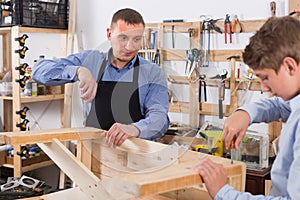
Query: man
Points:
[127, 95]
[273, 54]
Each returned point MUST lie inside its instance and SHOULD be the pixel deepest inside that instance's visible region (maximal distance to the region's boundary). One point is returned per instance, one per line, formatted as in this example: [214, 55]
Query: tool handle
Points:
[221, 98]
[221, 109]
[232, 144]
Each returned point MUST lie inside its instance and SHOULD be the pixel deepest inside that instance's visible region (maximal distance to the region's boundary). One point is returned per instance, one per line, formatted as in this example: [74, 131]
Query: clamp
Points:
[22, 68]
[23, 125]
[22, 112]
[22, 39]
[207, 27]
[22, 51]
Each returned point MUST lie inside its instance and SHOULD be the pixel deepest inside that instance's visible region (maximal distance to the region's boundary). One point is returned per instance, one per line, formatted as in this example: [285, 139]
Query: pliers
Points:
[236, 25]
[227, 28]
[295, 13]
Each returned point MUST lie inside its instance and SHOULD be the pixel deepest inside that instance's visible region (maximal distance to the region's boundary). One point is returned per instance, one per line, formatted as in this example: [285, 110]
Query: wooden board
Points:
[171, 178]
[43, 136]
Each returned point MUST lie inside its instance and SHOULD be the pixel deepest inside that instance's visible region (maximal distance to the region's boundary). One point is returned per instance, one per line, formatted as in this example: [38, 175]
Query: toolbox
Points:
[34, 13]
[253, 150]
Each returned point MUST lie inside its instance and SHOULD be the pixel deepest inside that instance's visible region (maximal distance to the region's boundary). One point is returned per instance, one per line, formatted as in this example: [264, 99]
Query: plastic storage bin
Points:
[254, 151]
[35, 13]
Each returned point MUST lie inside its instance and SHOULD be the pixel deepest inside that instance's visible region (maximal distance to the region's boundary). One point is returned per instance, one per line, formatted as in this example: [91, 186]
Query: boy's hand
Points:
[235, 125]
[213, 175]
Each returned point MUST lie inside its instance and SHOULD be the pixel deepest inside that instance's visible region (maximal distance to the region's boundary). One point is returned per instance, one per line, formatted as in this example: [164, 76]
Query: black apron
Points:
[115, 101]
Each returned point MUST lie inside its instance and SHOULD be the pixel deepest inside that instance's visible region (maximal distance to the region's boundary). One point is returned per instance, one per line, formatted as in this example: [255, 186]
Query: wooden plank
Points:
[294, 5]
[15, 61]
[268, 184]
[84, 152]
[215, 56]
[233, 93]
[137, 156]
[63, 134]
[17, 161]
[180, 27]
[6, 50]
[194, 117]
[41, 98]
[205, 108]
[249, 26]
[37, 166]
[177, 176]
[42, 30]
[191, 193]
[77, 194]
[66, 123]
[88, 183]
[7, 119]
[5, 30]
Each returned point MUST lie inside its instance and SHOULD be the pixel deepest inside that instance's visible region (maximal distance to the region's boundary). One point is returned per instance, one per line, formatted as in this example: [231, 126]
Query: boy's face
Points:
[284, 84]
[125, 41]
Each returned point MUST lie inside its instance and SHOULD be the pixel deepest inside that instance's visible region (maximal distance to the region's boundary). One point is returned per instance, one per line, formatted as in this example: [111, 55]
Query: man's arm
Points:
[59, 71]
[156, 105]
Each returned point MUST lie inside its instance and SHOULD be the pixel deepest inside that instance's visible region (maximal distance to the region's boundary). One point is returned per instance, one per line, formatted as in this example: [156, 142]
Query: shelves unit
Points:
[13, 103]
[215, 56]
[12, 59]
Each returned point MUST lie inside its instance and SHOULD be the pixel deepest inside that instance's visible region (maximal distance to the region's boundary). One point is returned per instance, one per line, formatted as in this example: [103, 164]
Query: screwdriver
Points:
[232, 148]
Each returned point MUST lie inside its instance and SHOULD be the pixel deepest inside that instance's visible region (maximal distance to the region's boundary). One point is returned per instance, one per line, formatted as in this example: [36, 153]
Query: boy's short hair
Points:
[278, 38]
[129, 15]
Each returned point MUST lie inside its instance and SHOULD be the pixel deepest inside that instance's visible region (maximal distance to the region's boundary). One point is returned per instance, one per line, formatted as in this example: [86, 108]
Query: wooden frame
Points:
[113, 184]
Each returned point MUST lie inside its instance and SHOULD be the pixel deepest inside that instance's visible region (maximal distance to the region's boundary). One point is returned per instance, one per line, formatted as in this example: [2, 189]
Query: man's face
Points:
[284, 84]
[125, 41]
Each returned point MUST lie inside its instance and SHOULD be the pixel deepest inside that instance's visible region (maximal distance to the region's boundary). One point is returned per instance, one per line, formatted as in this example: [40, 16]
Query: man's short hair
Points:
[129, 15]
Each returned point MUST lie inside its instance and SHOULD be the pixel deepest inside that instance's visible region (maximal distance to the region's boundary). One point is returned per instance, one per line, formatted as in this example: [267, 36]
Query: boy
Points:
[274, 55]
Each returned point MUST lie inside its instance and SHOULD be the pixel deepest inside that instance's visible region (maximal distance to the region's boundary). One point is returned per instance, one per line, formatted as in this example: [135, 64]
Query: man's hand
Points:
[236, 124]
[87, 84]
[213, 175]
[118, 133]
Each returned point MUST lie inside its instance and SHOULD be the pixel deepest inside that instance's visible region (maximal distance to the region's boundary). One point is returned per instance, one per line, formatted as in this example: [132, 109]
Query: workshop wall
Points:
[93, 17]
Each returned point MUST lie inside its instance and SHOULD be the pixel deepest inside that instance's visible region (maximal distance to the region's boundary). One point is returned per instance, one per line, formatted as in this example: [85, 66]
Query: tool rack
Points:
[13, 103]
[193, 107]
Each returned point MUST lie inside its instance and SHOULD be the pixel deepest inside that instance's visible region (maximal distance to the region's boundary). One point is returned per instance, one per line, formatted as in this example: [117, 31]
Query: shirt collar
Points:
[295, 102]
[129, 65]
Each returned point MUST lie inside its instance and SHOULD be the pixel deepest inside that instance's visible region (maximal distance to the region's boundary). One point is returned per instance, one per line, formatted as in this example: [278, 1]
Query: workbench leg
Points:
[84, 149]
[17, 161]
[88, 183]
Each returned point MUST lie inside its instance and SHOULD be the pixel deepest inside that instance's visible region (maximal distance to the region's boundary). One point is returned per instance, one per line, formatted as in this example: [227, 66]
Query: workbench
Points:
[138, 169]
